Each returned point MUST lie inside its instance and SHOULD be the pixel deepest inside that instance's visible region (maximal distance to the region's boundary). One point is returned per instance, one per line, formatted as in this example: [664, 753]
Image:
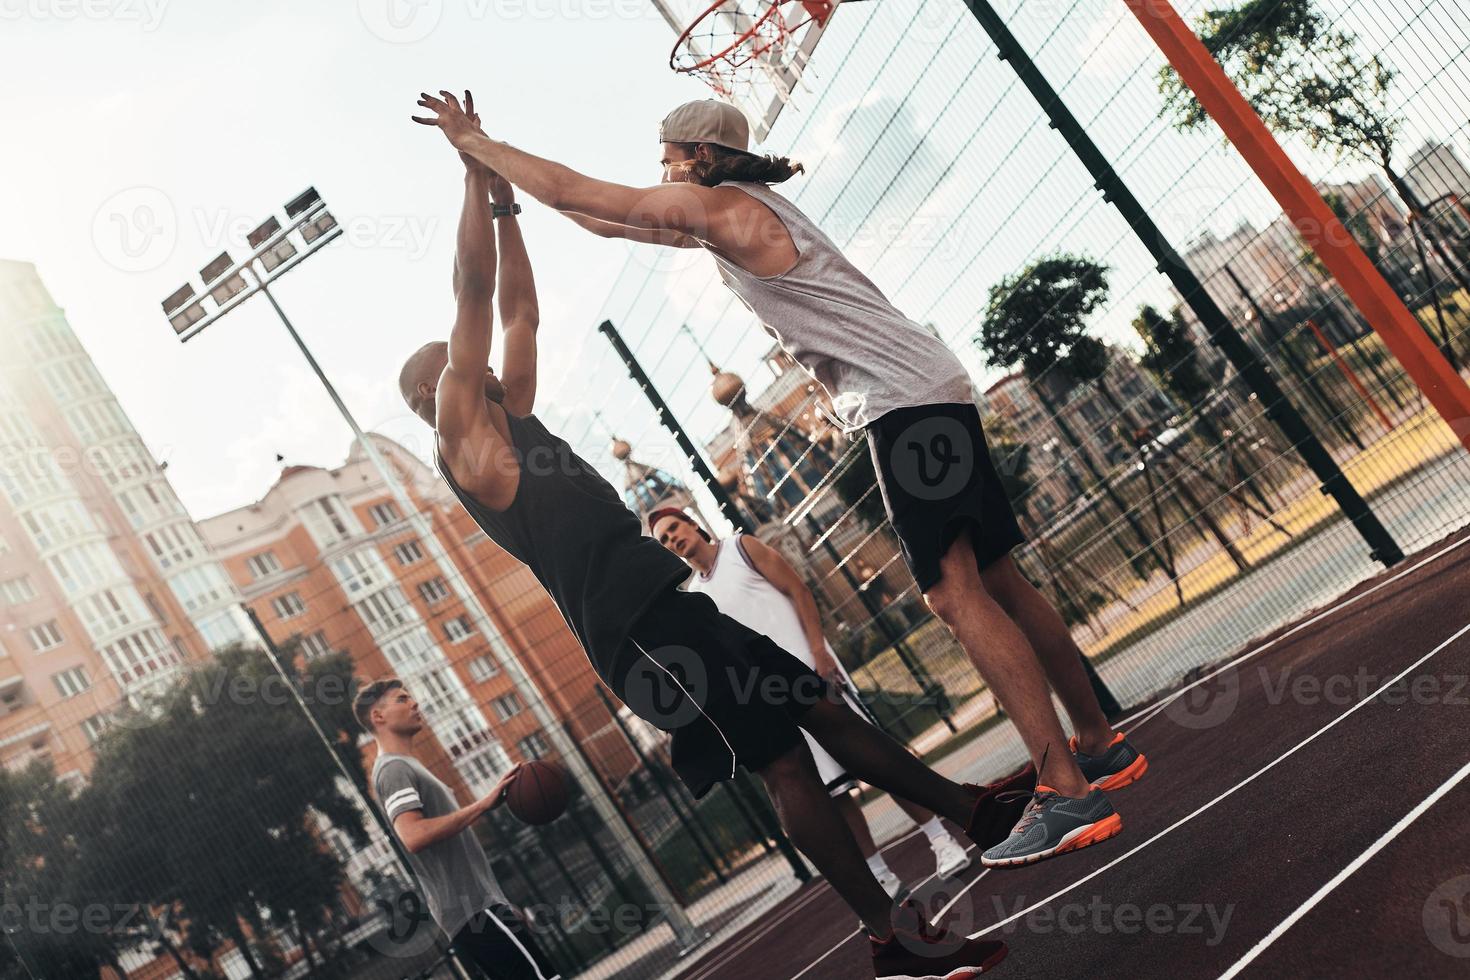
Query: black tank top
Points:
[572, 530]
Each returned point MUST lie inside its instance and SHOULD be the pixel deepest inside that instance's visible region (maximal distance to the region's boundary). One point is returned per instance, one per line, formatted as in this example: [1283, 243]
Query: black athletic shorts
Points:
[497, 945]
[728, 695]
[937, 478]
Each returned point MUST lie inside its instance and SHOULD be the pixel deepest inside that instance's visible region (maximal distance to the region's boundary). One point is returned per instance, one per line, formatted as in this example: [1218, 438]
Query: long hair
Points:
[726, 164]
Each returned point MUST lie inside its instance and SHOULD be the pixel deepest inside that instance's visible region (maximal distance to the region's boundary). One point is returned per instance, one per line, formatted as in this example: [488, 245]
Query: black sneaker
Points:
[1000, 805]
[918, 950]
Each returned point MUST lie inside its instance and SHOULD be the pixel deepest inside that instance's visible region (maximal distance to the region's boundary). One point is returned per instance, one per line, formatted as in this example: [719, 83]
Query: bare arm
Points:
[650, 236]
[417, 831]
[700, 212]
[778, 571]
[469, 435]
[520, 314]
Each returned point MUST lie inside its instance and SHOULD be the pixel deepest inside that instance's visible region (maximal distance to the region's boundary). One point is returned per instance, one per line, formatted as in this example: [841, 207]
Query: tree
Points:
[1304, 76]
[210, 804]
[58, 924]
[1036, 320]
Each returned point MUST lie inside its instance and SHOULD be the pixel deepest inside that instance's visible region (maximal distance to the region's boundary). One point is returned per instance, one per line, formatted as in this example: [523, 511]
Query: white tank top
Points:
[744, 595]
[839, 326]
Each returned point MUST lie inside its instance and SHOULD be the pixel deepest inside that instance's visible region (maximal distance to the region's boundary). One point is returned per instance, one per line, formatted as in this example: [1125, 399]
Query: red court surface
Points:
[1303, 815]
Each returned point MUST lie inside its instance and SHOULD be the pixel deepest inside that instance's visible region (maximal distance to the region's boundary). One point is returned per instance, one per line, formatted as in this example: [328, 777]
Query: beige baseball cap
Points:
[707, 121]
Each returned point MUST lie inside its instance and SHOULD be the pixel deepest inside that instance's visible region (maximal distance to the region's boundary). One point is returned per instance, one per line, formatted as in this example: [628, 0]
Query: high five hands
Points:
[459, 122]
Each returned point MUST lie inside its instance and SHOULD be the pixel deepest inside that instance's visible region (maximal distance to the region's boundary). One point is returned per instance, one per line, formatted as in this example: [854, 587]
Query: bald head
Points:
[420, 377]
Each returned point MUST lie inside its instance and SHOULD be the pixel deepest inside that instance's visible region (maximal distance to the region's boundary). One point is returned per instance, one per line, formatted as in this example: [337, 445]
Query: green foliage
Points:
[1302, 76]
[1171, 356]
[1037, 318]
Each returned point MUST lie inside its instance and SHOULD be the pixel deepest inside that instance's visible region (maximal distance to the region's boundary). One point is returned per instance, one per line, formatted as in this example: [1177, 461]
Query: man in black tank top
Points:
[728, 696]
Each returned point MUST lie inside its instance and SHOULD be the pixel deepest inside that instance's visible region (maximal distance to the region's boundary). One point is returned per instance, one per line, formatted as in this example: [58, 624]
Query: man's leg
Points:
[812, 821]
[499, 943]
[874, 757]
[1003, 656]
[1058, 652]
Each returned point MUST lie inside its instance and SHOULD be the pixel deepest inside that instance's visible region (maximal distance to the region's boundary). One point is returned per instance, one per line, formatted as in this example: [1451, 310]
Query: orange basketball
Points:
[539, 794]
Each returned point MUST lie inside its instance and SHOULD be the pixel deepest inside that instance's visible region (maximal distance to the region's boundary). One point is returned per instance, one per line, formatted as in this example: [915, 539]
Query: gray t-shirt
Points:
[454, 873]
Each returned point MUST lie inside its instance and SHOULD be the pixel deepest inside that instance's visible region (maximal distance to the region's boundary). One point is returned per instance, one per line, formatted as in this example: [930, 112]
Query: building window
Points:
[326, 519]
[408, 552]
[93, 728]
[17, 590]
[288, 606]
[458, 629]
[45, 636]
[263, 564]
[534, 746]
[315, 645]
[434, 590]
[384, 513]
[483, 668]
[507, 706]
[71, 682]
[179, 648]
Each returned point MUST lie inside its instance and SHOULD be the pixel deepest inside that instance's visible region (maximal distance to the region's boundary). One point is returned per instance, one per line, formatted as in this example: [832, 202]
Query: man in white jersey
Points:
[893, 379]
[754, 585]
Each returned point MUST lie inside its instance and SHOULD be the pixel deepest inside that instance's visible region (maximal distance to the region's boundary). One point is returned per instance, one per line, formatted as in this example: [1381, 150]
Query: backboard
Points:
[768, 63]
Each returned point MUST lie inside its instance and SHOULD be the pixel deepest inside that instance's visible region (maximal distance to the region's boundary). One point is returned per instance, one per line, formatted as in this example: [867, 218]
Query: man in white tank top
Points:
[755, 586]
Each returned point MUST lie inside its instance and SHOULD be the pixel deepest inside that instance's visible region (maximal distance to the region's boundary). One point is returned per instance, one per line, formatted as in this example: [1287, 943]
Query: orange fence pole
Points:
[1401, 332]
[1350, 374]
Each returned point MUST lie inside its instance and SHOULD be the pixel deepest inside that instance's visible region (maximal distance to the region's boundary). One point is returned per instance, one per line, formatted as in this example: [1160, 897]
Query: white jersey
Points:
[744, 594]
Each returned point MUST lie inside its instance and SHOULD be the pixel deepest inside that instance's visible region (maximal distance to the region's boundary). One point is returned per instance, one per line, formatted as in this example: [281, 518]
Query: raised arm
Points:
[704, 213]
[520, 313]
[460, 401]
[650, 236]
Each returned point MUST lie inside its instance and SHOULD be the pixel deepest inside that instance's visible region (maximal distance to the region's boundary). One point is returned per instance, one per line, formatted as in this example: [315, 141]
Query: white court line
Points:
[845, 939]
[1345, 873]
[1145, 714]
[1229, 792]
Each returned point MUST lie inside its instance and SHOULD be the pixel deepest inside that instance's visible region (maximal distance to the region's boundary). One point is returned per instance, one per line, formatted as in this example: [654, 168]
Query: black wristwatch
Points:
[504, 211]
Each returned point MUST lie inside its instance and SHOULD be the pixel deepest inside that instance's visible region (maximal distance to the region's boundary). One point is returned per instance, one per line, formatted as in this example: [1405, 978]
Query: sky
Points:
[142, 137]
[145, 136]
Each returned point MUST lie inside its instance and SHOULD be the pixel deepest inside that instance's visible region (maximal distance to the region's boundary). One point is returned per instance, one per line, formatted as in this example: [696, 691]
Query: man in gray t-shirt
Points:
[453, 873]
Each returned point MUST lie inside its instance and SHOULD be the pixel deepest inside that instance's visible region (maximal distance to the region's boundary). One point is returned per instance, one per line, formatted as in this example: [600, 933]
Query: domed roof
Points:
[727, 388]
[621, 450]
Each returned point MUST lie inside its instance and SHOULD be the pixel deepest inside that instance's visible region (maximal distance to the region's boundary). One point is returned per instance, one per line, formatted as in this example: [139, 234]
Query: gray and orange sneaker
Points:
[919, 950]
[1053, 824]
[1118, 766]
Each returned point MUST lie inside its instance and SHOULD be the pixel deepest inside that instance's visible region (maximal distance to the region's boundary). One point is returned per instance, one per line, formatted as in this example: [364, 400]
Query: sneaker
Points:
[1054, 824]
[919, 950]
[890, 882]
[1000, 805]
[1118, 766]
[950, 857]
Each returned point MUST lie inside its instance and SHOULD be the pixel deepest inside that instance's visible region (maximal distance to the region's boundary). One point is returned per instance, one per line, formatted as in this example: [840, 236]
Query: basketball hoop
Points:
[730, 46]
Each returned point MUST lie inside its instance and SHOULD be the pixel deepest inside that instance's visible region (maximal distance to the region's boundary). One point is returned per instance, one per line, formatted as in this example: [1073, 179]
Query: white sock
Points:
[878, 866]
[934, 830]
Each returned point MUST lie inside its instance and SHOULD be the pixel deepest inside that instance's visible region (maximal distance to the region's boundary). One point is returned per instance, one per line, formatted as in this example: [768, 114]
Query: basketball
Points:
[539, 794]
